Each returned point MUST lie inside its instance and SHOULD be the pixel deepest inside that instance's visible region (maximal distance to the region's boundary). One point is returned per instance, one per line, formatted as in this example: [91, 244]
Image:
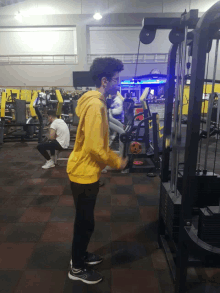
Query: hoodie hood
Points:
[86, 100]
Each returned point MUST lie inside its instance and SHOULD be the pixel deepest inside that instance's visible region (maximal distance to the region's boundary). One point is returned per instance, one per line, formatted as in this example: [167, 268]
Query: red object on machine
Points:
[138, 163]
[139, 110]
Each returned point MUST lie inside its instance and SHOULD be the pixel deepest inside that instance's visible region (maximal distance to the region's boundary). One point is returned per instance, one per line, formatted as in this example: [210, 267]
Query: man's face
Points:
[49, 119]
[113, 85]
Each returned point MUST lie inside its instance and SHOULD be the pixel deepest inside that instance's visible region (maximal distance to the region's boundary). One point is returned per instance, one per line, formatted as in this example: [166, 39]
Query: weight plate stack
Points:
[207, 189]
[209, 225]
[170, 210]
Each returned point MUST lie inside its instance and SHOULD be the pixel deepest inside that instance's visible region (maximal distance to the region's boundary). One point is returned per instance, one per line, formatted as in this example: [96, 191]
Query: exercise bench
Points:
[59, 152]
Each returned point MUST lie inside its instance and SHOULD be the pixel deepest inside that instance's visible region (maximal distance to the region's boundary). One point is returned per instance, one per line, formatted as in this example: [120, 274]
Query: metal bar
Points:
[146, 130]
[179, 122]
[155, 139]
[215, 66]
[211, 100]
[218, 109]
[174, 135]
[168, 23]
[169, 95]
[216, 147]
[182, 81]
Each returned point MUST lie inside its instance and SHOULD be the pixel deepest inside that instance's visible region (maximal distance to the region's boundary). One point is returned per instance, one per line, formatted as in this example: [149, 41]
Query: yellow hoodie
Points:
[91, 151]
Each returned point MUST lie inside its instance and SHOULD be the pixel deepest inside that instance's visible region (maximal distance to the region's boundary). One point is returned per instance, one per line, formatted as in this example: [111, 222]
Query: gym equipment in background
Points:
[16, 120]
[140, 133]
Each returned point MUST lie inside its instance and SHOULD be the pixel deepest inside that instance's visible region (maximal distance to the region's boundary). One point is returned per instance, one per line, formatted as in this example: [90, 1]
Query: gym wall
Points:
[39, 41]
[125, 40]
[116, 34]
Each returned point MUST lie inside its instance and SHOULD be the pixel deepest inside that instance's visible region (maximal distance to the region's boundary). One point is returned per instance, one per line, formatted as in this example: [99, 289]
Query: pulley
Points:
[176, 36]
[147, 35]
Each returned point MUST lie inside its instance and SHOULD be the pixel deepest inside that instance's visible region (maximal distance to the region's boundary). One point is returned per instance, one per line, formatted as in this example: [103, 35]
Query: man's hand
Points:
[124, 163]
[52, 135]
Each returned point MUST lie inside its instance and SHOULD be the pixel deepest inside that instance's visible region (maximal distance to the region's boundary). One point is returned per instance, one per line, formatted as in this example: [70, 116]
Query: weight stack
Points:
[207, 189]
[209, 225]
[170, 210]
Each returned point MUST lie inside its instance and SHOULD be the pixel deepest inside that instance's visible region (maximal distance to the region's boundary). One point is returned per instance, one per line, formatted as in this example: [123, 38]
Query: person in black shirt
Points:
[128, 106]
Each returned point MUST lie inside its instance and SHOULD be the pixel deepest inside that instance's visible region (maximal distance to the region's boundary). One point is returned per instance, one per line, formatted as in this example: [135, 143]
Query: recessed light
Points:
[97, 16]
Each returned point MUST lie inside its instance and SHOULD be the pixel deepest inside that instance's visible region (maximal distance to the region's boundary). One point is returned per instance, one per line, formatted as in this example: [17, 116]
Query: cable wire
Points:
[203, 111]
[137, 57]
[190, 4]
[216, 147]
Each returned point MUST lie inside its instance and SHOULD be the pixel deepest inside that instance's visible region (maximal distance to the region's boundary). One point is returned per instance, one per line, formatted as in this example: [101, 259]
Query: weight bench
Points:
[58, 154]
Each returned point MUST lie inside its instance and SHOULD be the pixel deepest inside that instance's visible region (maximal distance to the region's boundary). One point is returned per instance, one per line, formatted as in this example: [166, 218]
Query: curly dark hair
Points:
[105, 67]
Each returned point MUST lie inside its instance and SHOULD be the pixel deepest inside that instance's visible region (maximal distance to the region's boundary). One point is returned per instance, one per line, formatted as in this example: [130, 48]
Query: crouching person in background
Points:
[59, 139]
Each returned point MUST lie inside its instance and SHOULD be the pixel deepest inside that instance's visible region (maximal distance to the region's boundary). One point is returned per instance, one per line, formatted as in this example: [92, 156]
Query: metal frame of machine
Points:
[190, 192]
[132, 134]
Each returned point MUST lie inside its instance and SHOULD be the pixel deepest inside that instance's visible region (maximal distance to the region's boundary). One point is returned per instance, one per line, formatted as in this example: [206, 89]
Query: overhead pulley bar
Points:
[177, 25]
[191, 18]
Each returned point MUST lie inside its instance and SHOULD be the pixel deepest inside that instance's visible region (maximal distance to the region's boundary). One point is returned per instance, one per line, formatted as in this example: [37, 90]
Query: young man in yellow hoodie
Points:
[91, 154]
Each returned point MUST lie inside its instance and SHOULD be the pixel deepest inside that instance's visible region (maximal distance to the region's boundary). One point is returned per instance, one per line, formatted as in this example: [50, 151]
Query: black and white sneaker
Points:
[91, 259]
[85, 275]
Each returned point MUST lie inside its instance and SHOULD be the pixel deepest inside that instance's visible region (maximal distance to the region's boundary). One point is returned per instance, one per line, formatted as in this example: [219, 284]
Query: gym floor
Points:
[36, 229]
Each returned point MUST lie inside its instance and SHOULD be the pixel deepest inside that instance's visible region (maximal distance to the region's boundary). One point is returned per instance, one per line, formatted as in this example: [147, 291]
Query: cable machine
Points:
[189, 212]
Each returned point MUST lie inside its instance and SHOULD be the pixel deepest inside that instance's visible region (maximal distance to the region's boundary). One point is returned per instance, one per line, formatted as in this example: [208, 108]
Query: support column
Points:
[82, 47]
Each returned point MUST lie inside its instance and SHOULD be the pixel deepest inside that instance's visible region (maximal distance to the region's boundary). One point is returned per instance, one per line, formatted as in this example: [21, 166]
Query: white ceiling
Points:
[9, 2]
[46, 7]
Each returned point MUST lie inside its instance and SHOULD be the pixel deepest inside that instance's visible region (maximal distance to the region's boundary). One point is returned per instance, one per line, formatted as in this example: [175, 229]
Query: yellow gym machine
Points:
[207, 89]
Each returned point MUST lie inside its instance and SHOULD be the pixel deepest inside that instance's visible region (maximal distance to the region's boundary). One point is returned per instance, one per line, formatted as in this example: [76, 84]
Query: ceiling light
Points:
[97, 16]
[18, 16]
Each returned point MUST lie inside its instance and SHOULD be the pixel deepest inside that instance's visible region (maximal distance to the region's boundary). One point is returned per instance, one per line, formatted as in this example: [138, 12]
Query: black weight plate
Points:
[147, 36]
[176, 36]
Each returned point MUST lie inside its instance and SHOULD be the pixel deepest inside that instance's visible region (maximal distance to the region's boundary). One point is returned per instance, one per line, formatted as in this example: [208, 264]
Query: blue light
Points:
[148, 81]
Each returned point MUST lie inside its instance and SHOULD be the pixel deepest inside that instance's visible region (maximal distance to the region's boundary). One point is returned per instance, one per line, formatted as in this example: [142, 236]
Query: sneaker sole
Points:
[48, 167]
[89, 263]
[71, 277]
[94, 263]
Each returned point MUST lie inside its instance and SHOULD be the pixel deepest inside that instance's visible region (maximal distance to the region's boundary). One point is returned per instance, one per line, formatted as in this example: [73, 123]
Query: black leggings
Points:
[50, 146]
[84, 198]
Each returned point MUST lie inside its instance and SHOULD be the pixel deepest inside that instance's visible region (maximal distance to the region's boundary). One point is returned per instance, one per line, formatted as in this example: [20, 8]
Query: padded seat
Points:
[58, 154]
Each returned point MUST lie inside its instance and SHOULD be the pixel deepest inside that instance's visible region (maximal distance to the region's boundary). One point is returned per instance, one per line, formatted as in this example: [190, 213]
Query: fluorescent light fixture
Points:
[97, 16]
[18, 16]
